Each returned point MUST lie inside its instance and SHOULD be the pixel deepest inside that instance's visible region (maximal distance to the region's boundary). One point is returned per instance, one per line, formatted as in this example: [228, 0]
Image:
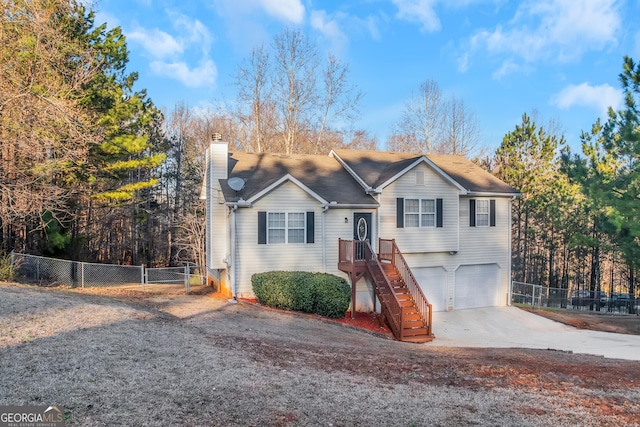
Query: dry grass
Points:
[197, 360]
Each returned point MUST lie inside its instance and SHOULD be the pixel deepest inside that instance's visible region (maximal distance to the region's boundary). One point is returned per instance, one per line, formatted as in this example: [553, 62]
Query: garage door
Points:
[433, 282]
[478, 286]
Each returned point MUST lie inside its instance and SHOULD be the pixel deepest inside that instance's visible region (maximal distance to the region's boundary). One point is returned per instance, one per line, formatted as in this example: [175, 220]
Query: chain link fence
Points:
[573, 299]
[188, 275]
[45, 271]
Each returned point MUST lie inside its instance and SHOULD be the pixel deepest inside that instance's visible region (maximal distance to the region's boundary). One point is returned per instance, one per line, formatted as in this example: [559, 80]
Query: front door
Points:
[361, 232]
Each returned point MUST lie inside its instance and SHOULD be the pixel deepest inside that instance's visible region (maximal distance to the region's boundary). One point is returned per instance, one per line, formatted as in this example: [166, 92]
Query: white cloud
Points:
[507, 67]
[421, 11]
[289, 11]
[559, 30]
[330, 28]
[286, 10]
[463, 62]
[156, 42]
[202, 76]
[372, 27]
[193, 32]
[598, 97]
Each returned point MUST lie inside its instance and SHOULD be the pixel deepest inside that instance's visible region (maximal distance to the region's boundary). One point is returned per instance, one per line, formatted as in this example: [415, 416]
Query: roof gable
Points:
[319, 175]
[379, 169]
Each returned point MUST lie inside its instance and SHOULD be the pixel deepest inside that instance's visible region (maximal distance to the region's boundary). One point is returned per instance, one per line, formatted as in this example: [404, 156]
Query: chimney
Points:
[219, 159]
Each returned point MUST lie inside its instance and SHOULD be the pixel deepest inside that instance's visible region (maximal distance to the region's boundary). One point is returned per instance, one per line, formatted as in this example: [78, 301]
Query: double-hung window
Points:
[420, 212]
[482, 213]
[285, 227]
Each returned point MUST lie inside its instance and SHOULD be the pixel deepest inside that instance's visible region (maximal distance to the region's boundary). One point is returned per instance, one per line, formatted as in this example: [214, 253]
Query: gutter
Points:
[333, 205]
[241, 203]
[492, 194]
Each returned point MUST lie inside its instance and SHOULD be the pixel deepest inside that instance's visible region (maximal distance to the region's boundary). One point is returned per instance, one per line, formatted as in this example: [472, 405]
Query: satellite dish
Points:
[236, 183]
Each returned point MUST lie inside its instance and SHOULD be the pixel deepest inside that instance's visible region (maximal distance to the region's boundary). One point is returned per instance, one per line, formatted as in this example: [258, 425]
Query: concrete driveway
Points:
[510, 327]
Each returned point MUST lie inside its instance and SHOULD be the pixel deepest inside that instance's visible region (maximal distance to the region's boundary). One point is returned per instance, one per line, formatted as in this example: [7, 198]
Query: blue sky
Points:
[503, 58]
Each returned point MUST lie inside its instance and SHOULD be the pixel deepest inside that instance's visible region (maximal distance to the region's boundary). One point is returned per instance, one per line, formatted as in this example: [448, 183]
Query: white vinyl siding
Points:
[257, 258]
[425, 238]
[217, 236]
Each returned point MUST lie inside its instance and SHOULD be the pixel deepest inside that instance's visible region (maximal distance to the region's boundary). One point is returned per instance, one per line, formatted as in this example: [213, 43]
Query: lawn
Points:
[128, 359]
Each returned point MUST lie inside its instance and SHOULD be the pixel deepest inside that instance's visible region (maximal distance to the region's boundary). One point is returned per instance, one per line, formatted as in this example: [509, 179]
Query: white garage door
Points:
[433, 282]
[478, 286]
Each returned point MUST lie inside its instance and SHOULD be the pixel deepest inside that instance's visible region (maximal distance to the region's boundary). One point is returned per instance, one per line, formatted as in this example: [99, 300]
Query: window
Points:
[286, 227]
[276, 228]
[295, 227]
[420, 212]
[482, 213]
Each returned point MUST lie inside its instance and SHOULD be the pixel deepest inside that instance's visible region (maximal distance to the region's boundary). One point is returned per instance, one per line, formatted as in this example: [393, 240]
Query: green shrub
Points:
[6, 270]
[320, 293]
[332, 295]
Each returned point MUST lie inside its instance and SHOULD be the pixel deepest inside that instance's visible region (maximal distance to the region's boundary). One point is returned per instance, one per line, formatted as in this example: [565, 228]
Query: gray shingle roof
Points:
[320, 173]
[376, 167]
[327, 178]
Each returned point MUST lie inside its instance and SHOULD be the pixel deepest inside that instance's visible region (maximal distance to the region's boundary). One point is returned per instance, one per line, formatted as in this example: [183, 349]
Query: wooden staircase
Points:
[413, 326]
[402, 303]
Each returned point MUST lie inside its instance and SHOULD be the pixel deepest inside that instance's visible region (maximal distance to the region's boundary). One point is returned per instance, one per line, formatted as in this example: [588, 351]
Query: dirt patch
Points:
[371, 322]
[592, 320]
[197, 360]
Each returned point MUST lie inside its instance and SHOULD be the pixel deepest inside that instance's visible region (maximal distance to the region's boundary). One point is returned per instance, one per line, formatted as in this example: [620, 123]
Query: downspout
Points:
[325, 208]
[509, 292]
[233, 254]
[375, 241]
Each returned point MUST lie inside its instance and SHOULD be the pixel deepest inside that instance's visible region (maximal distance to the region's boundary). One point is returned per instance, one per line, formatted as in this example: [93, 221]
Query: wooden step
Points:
[419, 339]
[413, 325]
[410, 309]
[414, 332]
[410, 317]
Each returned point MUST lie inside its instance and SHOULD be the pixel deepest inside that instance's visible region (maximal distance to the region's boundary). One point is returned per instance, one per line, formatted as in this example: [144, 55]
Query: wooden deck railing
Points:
[389, 302]
[388, 251]
[356, 255]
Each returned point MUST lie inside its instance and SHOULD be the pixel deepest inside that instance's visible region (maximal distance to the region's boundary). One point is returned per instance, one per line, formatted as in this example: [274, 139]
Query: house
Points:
[449, 220]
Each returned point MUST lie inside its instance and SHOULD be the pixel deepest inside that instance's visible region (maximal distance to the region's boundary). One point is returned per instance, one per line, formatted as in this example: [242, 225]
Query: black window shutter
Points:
[400, 212]
[492, 213]
[472, 212]
[262, 228]
[310, 227]
[438, 212]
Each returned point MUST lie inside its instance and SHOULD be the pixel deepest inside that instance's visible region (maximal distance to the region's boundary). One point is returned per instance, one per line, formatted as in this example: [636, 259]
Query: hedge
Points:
[320, 293]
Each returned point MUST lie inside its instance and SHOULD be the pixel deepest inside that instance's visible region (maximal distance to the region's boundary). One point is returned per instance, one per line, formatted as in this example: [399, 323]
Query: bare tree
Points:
[294, 82]
[340, 100]
[360, 140]
[420, 127]
[254, 91]
[461, 130]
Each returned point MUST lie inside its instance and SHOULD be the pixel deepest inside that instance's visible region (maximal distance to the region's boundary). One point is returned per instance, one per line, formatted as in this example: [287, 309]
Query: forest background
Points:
[92, 170]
